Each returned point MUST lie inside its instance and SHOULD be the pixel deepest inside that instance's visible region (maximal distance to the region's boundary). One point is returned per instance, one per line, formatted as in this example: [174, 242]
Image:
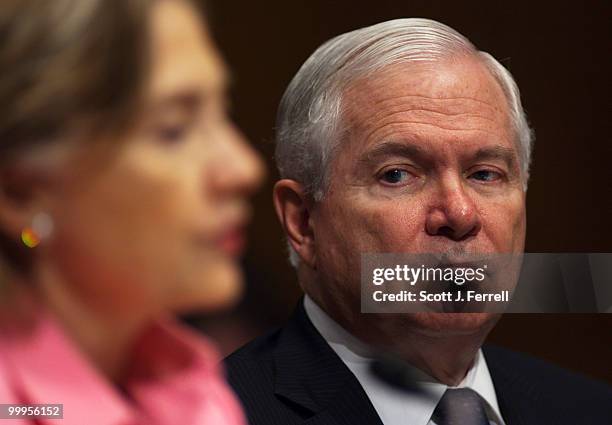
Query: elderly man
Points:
[400, 137]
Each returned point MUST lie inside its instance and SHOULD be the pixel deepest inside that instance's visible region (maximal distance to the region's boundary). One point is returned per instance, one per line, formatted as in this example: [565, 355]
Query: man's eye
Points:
[486, 176]
[395, 176]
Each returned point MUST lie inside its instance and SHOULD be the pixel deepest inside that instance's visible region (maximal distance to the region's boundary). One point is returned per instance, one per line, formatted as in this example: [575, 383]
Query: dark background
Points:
[559, 55]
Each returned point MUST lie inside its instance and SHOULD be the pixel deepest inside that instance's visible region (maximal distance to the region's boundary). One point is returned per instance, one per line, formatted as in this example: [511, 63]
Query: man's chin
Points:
[450, 324]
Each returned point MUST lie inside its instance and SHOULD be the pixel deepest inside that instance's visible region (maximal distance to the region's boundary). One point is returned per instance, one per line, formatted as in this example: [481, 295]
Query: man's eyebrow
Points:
[507, 155]
[391, 148]
[418, 154]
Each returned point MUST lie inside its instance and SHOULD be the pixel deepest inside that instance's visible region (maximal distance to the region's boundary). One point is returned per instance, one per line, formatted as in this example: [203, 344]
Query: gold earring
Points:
[40, 229]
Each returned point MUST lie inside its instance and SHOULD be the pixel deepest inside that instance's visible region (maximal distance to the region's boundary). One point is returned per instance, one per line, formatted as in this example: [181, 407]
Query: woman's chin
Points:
[219, 287]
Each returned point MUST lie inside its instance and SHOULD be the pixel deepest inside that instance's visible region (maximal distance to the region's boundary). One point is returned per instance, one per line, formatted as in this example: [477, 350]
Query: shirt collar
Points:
[392, 405]
[45, 367]
[175, 377]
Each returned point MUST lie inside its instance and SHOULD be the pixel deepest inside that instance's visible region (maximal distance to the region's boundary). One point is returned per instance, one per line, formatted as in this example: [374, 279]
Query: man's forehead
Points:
[455, 101]
[455, 84]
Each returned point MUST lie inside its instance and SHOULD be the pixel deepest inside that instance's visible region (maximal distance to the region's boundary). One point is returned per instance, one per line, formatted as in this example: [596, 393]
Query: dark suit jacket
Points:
[292, 376]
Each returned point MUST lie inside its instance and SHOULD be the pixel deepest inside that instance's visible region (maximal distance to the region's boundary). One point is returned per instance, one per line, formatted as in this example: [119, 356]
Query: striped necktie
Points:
[460, 406]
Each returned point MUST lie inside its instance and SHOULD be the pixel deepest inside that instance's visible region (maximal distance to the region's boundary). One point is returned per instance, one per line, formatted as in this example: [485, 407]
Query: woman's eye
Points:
[395, 176]
[486, 176]
[171, 133]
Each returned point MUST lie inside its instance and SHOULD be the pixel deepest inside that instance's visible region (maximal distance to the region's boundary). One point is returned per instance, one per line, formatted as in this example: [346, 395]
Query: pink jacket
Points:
[175, 379]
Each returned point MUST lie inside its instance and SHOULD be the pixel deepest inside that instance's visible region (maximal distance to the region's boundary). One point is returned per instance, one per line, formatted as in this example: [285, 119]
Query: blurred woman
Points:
[123, 199]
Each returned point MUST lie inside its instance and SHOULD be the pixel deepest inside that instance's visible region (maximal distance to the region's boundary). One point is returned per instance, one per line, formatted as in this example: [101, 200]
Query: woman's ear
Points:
[22, 196]
[293, 208]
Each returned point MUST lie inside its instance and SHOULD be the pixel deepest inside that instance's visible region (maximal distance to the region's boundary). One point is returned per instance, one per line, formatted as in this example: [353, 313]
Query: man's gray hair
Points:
[309, 115]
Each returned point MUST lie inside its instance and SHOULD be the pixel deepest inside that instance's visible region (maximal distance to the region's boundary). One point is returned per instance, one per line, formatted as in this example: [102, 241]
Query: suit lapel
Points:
[310, 377]
[518, 398]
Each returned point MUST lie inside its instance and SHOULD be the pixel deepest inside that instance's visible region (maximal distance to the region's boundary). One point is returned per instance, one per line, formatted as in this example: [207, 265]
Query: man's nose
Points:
[453, 213]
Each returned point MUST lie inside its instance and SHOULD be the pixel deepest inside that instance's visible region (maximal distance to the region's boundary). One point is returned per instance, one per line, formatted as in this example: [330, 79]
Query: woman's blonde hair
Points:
[66, 64]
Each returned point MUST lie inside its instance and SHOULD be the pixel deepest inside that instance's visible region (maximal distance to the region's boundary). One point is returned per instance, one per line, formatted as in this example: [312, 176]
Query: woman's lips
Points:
[232, 241]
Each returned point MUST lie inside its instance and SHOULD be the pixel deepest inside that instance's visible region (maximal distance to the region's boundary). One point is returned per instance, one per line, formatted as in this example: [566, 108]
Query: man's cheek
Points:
[509, 207]
[386, 230]
[520, 230]
[504, 222]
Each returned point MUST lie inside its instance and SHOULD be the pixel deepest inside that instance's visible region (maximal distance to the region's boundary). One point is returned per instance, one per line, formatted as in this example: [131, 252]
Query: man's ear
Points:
[293, 207]
[21, 197]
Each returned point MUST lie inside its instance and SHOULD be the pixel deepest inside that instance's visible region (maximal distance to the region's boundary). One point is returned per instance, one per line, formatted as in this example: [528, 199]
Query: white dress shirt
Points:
[394, 406]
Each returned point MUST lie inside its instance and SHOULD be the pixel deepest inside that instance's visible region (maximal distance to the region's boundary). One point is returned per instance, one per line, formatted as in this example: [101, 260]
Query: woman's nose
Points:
[241, 169]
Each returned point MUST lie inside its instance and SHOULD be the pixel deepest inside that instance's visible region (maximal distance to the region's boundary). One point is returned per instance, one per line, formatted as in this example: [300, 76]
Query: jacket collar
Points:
[520, 400]
[308, 373]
